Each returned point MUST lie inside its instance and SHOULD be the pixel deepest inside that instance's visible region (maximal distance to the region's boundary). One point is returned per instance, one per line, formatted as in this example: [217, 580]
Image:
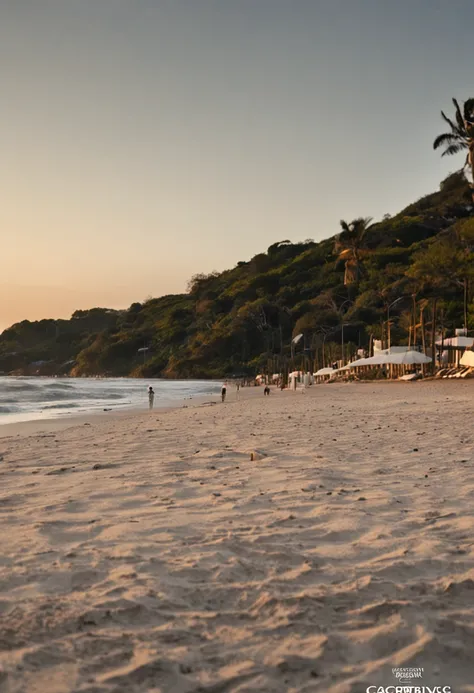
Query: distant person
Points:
[266, 391]
[223, 391]
[238, 390]
[151, 397]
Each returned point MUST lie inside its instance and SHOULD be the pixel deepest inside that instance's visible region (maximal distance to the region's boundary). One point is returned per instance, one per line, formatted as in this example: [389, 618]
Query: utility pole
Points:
[388, 319]
[348, 301]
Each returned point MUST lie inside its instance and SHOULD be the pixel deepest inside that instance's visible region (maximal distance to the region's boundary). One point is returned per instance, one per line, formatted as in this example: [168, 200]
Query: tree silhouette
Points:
[350, 247]
[461, 135]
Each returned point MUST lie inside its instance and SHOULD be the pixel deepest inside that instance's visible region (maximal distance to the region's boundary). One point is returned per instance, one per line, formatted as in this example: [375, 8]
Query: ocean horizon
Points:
[29, 398]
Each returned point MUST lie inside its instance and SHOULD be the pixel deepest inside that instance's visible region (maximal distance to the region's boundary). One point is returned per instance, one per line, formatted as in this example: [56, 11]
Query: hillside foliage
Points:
[242, 321]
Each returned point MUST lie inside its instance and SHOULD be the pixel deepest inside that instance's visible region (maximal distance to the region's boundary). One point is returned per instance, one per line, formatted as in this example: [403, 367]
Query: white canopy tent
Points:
[376, 360]
[324, 371]
[467, 359]
[364, 362]
[409, 358]
[452, 348]
[459, 342]
[406, 358]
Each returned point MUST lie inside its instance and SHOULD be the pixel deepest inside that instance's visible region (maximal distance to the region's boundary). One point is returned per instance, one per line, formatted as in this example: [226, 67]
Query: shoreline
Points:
[37, 426]
[55, 424]
[61, 423]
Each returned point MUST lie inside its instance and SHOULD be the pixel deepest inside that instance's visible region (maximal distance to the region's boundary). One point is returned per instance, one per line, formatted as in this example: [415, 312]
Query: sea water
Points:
[30, 398]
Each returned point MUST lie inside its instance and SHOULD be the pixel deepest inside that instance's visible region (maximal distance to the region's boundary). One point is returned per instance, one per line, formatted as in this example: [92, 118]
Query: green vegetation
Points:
[461, 134]
[403, 279]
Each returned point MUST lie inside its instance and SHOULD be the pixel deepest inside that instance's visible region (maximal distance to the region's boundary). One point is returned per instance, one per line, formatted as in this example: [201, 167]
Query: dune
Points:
[149, 552]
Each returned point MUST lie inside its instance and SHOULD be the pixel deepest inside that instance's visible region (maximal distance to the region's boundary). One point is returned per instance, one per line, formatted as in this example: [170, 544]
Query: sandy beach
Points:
[150, 553]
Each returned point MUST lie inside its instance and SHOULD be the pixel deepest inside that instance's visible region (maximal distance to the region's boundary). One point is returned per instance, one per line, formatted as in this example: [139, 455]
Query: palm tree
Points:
[350, 247]
[461, 135]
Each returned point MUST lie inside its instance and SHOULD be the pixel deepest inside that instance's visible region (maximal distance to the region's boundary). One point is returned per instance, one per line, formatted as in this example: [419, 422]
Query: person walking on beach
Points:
[151, 397]
[224, 391]
[266, 391]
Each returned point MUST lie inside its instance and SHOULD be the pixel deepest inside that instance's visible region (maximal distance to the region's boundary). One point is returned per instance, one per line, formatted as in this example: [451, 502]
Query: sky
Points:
[144, 141]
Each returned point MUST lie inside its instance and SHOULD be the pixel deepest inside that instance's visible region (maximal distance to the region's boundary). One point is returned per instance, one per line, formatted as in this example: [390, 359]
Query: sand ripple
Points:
[178, 565]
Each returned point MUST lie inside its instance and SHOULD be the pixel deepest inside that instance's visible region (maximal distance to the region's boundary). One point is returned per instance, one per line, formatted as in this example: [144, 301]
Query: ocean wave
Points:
[84, 395]
[23, 398]
[20, 387]
[61, 395]
[64, 405]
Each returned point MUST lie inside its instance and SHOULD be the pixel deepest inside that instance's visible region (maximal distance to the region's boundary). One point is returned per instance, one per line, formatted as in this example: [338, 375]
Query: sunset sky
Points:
[146, 140]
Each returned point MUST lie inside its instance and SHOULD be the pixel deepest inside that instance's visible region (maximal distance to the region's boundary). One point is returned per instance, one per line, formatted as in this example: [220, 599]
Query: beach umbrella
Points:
[377, 360]
[401, 358]
[408, 358]
[324, 371]
[359, 362]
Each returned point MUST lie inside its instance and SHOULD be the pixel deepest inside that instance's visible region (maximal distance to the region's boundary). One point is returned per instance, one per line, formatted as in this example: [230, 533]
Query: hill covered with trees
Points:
[405, 278]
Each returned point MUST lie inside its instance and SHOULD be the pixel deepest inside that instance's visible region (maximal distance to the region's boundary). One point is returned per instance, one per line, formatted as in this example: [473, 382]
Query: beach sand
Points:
[150, 553]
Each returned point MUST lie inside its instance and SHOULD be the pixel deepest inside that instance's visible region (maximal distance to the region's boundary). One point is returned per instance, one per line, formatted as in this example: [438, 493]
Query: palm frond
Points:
[362, 221]
[460, 132]
[360, 227]
[453, 149]
[344, 225]
[446, 138]
[459, 115]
